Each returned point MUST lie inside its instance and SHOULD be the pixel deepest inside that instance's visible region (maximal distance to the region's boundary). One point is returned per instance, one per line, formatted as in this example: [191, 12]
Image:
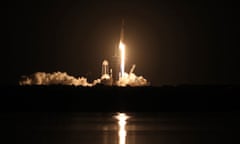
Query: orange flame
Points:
[122, 51]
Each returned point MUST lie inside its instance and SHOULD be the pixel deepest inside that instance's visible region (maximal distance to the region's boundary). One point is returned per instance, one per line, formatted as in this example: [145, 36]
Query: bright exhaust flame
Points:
[122, 133]
[122, 52]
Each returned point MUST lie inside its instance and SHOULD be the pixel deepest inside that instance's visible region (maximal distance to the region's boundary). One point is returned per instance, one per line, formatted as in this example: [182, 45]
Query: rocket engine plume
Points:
[122, 52]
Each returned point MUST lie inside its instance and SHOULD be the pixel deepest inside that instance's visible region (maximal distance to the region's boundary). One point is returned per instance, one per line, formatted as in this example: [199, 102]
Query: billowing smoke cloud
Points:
[62, 78]
[56, 78]
[132, 80]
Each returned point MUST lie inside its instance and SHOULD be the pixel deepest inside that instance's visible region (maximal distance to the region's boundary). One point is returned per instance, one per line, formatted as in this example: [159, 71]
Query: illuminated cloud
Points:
[132, 80]
[56, 78]
[62, 78]
[105, 76]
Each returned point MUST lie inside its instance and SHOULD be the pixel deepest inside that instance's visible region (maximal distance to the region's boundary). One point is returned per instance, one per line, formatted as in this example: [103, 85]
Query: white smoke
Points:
[128, 79]
[132, 79]
[105, 76]
[56, 78]
[62, 78]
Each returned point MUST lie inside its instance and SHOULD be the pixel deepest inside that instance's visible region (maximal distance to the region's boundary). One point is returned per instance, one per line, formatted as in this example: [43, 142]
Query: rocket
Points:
[116, 59]
[122, 51]
[121, 39]
[122, 31]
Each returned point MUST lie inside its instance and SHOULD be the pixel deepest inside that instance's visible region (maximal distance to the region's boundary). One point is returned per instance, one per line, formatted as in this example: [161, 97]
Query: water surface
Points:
[138, 128]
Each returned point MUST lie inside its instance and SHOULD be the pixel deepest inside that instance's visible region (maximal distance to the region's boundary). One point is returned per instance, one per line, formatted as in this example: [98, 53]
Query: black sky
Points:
[170, 41]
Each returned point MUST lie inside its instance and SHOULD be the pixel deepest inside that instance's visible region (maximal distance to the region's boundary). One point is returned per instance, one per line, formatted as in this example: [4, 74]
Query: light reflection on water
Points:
[122, 133]
[121, 128]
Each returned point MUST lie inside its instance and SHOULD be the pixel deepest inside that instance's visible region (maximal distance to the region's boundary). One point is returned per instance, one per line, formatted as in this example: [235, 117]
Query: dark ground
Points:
[80, 115]
[111, 99]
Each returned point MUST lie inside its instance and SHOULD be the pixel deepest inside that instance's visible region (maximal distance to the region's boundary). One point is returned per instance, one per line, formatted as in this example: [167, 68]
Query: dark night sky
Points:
[170, 41]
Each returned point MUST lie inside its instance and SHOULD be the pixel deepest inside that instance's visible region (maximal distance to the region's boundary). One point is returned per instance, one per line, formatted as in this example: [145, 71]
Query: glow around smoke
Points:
[56, 78]
[132, 80]
[62, 78]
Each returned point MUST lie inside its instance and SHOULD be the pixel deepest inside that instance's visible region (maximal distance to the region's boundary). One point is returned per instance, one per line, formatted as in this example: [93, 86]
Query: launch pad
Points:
[112, 76]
